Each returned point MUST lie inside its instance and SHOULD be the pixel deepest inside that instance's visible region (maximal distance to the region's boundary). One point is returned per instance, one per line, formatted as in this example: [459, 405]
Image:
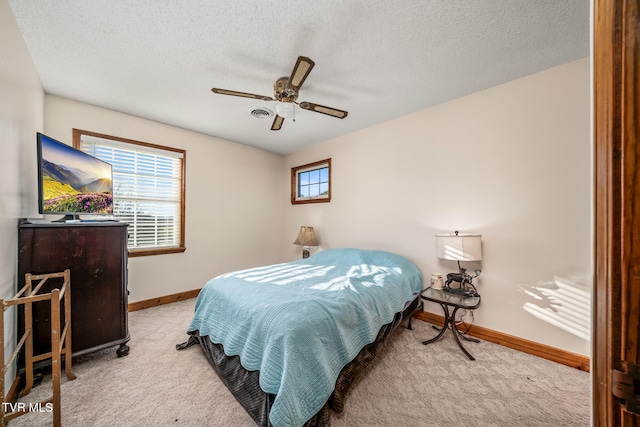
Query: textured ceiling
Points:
[377, 59]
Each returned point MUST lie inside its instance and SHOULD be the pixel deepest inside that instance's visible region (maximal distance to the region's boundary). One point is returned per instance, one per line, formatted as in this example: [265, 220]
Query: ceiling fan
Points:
[285, 90]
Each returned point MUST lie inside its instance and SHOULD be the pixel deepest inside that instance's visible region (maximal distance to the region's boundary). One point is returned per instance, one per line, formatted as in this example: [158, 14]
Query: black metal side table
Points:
[446, 300]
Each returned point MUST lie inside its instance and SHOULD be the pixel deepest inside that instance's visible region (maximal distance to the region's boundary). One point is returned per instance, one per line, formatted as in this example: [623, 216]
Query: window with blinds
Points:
[148, 190]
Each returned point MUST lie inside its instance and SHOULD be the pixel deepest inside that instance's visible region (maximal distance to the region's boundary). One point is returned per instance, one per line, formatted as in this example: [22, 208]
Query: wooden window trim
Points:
[294, 183]
[77, 134]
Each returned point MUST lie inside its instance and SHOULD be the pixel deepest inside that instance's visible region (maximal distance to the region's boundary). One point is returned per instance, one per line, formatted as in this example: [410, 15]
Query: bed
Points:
[289, 340]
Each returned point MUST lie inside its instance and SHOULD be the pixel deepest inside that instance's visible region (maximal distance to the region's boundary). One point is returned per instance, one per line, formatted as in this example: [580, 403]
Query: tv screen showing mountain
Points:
[72, 182]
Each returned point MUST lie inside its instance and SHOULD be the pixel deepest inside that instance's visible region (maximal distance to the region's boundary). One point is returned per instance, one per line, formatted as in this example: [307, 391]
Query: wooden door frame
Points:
[616, 100]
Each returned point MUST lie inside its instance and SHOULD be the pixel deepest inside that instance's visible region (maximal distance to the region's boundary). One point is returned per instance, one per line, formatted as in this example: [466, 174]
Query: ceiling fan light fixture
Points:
[285, 109]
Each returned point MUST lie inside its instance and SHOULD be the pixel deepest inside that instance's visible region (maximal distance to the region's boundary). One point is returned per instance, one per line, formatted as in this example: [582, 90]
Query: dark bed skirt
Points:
[244, 385]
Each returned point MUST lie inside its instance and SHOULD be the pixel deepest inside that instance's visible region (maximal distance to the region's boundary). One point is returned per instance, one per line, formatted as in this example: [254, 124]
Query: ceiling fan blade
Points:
[300, 72]
[334, 112]
[277, 123]
[242, 94]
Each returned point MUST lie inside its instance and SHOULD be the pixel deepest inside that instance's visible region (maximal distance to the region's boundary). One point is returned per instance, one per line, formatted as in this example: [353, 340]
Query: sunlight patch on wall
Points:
[563, 303]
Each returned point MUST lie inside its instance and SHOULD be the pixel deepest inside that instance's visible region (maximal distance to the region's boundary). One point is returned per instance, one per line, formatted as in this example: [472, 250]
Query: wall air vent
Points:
[261, 112]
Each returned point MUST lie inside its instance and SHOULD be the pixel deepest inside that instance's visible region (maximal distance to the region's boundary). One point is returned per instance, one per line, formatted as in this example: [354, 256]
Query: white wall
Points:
[21, 116]
[233, 213]
[511, 163]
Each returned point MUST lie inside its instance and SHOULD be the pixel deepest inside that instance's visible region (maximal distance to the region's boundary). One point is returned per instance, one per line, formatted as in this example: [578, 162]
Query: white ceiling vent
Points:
[261, 112]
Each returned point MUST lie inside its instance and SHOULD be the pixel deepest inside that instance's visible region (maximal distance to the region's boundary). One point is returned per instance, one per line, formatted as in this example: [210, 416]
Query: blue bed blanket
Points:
[300, 323]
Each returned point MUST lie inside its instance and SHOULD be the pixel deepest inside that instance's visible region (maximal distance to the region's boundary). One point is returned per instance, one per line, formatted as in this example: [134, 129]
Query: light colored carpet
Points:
[408, 384]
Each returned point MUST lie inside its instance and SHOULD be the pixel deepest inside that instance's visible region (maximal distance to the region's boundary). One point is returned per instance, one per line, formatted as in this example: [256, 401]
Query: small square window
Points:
[311, 183]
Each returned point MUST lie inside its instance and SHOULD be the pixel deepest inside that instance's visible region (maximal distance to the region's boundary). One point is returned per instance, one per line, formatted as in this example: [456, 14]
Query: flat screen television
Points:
[71, 182]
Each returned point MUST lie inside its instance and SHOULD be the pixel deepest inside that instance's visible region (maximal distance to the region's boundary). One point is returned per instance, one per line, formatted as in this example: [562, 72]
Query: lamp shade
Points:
[459, 247]
[306, 237]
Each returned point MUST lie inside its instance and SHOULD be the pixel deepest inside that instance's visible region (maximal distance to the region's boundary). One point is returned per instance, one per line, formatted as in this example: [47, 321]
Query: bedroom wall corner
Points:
[512, 163]
[21, 116]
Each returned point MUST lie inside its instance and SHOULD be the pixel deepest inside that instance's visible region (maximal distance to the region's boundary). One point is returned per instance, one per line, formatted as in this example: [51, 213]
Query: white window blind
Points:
[146, 190]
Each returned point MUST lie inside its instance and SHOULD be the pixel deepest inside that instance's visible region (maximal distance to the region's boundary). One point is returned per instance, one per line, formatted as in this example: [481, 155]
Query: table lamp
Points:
[459, 247]
[306, 237]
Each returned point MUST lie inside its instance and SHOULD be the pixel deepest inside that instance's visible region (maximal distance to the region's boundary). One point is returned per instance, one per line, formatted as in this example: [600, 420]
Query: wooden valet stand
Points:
[60, 344]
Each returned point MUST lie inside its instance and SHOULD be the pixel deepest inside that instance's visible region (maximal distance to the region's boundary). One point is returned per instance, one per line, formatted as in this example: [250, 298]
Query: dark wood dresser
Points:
[96, 254]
